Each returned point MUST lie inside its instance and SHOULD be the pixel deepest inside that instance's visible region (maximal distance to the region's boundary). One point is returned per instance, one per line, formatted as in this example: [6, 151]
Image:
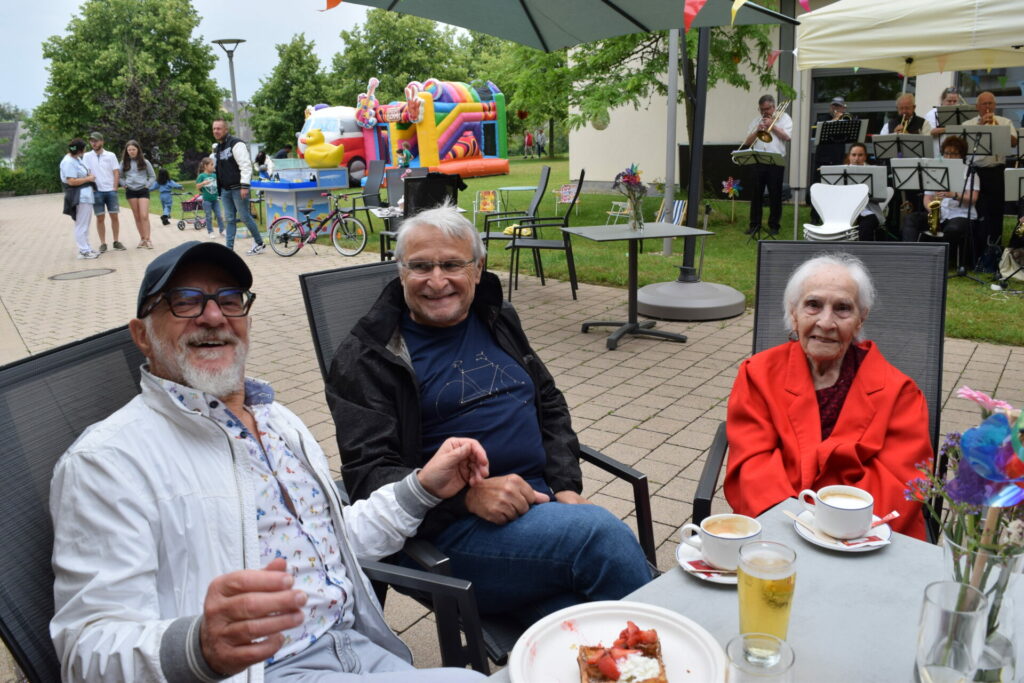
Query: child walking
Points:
[167, 188]
[207, 182]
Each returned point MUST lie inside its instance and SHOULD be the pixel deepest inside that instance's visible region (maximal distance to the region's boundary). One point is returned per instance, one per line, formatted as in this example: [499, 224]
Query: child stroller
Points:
[195, 207]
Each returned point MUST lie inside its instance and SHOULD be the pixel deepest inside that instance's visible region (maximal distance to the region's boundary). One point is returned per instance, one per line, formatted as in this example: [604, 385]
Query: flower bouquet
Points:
[982, 522]
[628, 183]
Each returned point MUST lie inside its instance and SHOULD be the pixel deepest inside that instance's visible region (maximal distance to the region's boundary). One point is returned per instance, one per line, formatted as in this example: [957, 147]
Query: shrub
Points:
[22, 182]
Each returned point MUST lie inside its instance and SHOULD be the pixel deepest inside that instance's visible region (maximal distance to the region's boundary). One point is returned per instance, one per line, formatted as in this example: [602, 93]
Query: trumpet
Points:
[842, 117]
[902, 128]
[766, 134]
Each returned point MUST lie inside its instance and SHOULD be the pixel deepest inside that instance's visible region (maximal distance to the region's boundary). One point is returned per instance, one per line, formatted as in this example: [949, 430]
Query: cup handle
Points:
[688, 535]
[803, 498]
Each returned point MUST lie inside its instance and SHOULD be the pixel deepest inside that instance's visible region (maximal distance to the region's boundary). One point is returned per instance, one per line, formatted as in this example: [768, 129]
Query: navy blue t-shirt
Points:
[470, 387]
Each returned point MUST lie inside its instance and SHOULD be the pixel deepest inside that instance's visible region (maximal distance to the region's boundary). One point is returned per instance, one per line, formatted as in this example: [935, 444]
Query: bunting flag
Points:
[806, 4]
[773, 57]
[690, 10]
[1002, 81]
[736, 4]
[331, 4]
[941, 61]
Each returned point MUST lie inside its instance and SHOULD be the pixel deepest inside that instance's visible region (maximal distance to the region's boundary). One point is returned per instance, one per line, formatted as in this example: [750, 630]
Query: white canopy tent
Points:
[913, 36]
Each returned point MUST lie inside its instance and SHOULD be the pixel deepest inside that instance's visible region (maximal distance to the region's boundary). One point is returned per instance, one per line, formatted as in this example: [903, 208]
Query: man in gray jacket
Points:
[197, 531]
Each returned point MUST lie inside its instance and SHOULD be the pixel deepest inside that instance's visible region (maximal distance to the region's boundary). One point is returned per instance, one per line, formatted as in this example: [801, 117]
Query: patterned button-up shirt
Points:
[293, 516]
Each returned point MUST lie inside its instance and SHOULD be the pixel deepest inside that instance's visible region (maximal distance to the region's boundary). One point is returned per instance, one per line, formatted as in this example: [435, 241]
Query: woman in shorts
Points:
[137, 177]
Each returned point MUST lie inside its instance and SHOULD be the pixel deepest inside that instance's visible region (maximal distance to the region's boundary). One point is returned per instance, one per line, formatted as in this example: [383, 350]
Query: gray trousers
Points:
[345, 656]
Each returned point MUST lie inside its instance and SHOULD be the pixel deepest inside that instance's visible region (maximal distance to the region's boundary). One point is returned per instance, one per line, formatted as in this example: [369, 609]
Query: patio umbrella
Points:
[553, 24]
[913, 36]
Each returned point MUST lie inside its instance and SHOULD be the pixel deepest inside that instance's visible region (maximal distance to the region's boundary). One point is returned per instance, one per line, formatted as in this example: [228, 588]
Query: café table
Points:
[854, 615]
[619, 233]
[504, 192]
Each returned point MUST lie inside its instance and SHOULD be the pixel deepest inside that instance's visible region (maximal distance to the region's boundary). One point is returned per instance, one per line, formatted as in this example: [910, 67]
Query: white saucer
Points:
[882, 531]
[687, 553]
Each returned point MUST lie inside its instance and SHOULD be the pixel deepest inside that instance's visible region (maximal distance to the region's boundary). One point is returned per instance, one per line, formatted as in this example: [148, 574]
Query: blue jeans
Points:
[105, 201]
[234, 208]
[166, 205]
[554, 556]
[212, 208]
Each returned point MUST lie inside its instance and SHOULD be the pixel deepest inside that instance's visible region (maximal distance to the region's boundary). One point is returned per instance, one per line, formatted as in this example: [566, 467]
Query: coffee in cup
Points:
[719, 538]
[840, 511]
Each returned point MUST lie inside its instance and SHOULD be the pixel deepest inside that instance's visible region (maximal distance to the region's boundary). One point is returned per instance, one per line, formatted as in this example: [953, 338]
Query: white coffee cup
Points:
[840, 511]
[719, 538]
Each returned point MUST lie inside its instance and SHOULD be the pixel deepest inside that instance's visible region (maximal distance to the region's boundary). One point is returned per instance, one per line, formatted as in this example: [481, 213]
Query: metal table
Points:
[618, 233]
[504, 191]
[854, 614]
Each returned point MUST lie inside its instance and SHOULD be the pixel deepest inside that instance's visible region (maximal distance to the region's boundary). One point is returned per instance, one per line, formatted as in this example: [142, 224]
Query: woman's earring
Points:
[793, 336]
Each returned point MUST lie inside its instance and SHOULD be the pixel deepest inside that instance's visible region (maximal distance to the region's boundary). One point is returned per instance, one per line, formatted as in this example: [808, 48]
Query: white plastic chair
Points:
[839, 206]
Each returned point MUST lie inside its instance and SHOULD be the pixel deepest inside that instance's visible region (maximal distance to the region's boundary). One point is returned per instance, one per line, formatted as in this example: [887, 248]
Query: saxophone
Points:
[933, 216]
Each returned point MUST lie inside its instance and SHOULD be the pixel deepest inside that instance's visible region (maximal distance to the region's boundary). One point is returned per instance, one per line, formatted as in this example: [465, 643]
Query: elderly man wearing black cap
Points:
[197, 531]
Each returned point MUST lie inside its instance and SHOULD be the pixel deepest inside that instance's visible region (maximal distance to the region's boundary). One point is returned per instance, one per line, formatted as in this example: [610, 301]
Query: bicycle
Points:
[348, 235]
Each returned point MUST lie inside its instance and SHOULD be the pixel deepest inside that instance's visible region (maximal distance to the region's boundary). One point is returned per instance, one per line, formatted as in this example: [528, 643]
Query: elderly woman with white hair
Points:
[826, 407]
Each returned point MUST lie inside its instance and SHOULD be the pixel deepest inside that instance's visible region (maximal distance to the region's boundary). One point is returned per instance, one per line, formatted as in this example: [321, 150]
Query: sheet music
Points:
[903, 146]
[872, 176]
[748, 157]
[1014, 184]
[984, 141]
[953, 115]
[930, 175]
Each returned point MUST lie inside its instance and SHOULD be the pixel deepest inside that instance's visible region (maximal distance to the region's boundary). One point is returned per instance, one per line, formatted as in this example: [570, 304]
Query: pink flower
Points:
[988, 404]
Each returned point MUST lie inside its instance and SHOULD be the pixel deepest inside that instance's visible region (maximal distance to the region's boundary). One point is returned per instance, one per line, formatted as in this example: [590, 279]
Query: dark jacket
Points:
[375, 401]
[913, 125]
[229, 175]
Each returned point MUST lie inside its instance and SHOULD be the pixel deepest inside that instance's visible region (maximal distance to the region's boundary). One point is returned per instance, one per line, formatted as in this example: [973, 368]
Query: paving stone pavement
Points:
[651, 404]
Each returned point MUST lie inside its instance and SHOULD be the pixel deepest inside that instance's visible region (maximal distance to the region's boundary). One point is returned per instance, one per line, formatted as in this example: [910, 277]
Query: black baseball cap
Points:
[160, 271]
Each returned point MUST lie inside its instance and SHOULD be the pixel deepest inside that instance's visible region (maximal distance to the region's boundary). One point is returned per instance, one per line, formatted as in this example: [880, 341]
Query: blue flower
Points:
[990, 469]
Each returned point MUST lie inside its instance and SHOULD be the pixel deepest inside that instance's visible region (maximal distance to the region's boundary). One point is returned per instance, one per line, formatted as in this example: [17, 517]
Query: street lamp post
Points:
[229, 45]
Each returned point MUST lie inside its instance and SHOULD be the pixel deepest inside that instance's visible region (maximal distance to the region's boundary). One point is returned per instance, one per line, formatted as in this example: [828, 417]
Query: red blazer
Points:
[774, 431]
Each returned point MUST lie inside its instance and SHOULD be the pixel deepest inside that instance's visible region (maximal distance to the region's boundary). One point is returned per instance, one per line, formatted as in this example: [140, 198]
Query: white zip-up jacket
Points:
[153, 503]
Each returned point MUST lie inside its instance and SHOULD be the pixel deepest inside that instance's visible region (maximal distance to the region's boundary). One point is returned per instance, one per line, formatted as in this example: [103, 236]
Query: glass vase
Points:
[992, 574]
[636, 213]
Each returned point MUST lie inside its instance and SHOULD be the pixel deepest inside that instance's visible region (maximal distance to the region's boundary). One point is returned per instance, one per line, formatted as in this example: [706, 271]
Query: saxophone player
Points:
[990, 174]
[780, 127]
[954, 211]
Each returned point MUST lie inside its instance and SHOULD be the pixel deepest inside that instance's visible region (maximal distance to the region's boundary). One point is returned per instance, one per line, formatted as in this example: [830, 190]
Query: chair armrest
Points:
[504, 217]
[426, 555]
[709, 476]
[641, 495]
[455, 608]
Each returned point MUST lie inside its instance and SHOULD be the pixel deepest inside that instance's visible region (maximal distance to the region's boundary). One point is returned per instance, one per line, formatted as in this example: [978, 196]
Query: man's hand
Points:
[501, 499]
[458, 463]
[571, 497]
[244, 193]
[243, 607]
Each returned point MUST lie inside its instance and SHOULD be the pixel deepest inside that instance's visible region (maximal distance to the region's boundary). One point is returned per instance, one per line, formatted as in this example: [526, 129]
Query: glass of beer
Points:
[767, 576]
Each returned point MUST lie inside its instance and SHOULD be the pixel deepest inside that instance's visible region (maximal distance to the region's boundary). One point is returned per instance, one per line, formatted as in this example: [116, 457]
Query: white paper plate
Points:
[883, 531]
[546, 653]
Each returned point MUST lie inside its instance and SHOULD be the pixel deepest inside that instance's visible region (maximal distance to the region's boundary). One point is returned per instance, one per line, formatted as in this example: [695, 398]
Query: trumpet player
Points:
[906, 120]
[990, 173]
[779, 126]
[947, 215]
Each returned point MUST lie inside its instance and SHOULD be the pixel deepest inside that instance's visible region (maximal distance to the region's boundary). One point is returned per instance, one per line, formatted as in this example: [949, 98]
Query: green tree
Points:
[394, 48]
[141, 54]
[11, 112]
[296, 81]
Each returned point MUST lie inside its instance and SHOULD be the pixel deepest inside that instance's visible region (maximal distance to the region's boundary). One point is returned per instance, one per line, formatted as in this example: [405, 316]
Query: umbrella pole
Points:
[670, 133]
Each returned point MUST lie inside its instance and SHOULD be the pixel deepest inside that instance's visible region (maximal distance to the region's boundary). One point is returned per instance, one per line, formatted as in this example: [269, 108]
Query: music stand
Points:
[749, 157]
[902, 146]
[953, 115]
[872, 176]
[984, 141]
[1013, 193]
[844, 131]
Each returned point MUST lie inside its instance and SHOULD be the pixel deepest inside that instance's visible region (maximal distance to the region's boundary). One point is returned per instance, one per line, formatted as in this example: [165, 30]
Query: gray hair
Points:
[853, 265]
[449, 221]
[906, 96]
[765, 99]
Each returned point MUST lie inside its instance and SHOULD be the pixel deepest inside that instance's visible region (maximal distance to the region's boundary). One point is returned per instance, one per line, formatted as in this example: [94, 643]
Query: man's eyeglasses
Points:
[188, 302]
[451, 266]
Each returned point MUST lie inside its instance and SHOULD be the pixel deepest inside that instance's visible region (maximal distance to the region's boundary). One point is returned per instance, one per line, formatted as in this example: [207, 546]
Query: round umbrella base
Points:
[689, 301]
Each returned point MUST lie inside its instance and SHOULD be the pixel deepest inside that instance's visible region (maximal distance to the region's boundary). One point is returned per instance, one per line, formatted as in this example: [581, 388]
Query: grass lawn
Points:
[973, 311]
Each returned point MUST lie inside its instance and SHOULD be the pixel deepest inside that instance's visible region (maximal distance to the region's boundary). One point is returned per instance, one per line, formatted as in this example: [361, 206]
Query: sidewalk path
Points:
[652, 404]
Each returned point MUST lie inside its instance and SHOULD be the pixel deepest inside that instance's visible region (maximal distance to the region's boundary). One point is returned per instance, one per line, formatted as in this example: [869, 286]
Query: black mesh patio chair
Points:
[534, 242]
[396, 178]
[46, 402]
[370, 194]
[494, 223]
[910, 285]
[335, 301]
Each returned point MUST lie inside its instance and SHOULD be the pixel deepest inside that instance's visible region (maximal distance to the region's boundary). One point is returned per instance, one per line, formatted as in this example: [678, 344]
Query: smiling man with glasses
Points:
[441, 355]
[197, 531]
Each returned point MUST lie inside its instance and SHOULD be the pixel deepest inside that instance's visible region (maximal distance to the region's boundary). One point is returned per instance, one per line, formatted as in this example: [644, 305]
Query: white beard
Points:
[175, 359]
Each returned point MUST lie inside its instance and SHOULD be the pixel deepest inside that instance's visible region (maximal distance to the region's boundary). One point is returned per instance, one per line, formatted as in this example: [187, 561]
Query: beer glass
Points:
[767, 577]
[951, 633]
